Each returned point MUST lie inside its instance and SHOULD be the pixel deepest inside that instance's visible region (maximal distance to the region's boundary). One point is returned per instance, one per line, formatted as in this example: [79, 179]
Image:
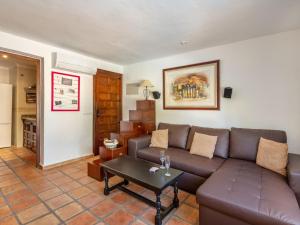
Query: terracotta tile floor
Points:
[66, 195]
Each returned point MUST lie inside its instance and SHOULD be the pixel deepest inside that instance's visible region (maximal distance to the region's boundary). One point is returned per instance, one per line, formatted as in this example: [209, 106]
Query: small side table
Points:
[95, 169]
[111, 153]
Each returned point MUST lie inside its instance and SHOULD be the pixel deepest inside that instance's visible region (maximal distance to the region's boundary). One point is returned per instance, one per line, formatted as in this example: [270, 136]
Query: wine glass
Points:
[162, 159]
[167, 164]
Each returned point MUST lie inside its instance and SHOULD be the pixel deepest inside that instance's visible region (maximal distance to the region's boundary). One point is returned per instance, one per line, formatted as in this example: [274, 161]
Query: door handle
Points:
[98, 113]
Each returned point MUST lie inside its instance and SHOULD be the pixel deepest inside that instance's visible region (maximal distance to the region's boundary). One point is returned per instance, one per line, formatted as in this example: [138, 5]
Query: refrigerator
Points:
[5, 115]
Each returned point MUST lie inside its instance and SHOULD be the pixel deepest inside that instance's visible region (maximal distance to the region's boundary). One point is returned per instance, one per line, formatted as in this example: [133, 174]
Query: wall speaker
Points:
[227, 92]
[156, 94]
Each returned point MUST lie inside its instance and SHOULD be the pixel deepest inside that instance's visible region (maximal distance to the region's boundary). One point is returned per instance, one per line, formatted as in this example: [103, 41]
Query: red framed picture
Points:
[65, 92]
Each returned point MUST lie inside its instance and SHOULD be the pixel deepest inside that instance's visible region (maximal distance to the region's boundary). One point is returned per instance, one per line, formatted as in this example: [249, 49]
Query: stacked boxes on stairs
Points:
[141, 121]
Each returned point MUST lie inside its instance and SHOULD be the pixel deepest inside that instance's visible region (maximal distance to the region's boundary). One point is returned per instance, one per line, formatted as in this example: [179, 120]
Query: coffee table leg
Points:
[158, 210]
[106, 188]
[175, 200]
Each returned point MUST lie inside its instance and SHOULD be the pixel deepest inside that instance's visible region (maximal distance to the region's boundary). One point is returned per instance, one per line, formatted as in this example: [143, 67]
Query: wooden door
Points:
[107, 105]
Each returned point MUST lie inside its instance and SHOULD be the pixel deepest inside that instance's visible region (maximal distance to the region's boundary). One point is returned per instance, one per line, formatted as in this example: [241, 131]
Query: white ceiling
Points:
[129, 31]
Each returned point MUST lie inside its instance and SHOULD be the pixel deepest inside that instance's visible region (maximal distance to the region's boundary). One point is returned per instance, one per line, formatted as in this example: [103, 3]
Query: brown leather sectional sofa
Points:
[230, 188]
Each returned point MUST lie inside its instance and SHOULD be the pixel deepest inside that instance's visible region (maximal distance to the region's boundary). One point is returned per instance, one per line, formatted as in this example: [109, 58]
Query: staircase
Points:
[141, 121]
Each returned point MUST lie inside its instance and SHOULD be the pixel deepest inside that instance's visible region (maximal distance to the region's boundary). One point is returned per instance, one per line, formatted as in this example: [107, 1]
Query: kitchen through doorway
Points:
[20, 101]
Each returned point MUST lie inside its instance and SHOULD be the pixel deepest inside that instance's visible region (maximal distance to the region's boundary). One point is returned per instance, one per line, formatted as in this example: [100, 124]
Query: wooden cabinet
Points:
[131, 126]
[144, 113]
[145, 105]
[109, 154]
[29, 133]
[95, 169]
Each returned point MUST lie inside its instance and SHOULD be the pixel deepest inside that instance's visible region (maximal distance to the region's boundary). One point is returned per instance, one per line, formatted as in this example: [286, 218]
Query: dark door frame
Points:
[110, 73]
[40, 97]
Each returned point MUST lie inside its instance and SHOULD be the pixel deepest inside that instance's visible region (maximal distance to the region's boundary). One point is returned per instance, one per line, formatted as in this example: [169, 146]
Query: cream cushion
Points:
[272, 155]
[159, 139]
[204, 145]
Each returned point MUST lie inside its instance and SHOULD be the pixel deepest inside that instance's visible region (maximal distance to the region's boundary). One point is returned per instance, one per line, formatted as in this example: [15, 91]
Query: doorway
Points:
[107, 106]
[21, 101]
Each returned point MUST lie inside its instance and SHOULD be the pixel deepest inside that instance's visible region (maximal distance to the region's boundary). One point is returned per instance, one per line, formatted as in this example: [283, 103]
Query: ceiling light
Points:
[5, 56]
[184, 42]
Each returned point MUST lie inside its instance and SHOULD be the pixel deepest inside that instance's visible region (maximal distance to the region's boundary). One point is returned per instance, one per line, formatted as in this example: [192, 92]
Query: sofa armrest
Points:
[293, 169]
[134, 144]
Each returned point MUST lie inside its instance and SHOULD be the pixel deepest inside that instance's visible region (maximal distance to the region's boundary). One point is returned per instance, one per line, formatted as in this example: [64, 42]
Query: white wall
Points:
[263, 72]
[4, 75]
[67, 135]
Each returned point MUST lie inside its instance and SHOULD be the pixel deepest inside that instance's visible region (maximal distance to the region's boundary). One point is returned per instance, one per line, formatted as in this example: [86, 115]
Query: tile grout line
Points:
[88, 209]
[81, 168]
[76, 200]
[41, 201]
[64, 192]
[5, 197]
[67, 193]
[6, 201]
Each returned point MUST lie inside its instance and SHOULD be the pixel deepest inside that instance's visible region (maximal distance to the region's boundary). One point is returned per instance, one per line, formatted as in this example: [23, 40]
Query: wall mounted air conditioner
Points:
[73, 63]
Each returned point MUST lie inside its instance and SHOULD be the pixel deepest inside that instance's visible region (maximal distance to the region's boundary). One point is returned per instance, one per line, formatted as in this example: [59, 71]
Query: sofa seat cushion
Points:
[183, 160]
[248, 192]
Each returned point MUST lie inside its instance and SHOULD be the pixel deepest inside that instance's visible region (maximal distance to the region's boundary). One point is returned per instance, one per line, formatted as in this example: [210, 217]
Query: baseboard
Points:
[51, 166]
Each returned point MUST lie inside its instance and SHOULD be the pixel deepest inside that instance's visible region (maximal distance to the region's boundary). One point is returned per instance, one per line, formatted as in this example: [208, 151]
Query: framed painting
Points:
[65, 92]
[195, 86]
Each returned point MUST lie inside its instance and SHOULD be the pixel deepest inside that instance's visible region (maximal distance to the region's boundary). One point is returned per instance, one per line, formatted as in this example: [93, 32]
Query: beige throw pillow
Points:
[204, 145]
[159, 139]
[272, 155]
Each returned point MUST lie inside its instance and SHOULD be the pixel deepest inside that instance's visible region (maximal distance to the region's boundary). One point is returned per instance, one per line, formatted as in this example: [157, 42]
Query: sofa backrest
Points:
[178, 134]
[244, 142]
[222, 145]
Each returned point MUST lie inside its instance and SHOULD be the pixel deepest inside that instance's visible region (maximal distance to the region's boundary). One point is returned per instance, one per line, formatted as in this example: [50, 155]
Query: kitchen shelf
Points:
[29, 133]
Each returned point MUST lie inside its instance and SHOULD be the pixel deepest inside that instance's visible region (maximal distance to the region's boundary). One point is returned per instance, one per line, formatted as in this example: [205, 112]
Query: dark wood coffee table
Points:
[137, 171]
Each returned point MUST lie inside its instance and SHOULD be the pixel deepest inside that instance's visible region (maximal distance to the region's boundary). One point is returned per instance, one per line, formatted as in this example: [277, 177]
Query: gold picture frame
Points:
[192, 87]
